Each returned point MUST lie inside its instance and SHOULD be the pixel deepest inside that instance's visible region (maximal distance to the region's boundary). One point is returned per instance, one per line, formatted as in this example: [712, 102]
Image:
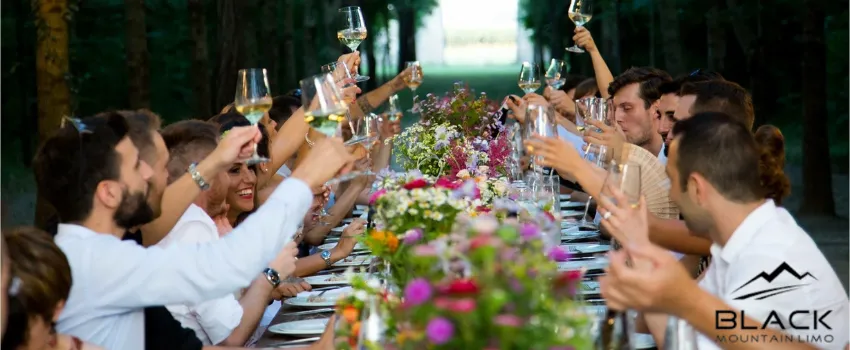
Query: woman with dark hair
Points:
[42, 285]
[772, 163]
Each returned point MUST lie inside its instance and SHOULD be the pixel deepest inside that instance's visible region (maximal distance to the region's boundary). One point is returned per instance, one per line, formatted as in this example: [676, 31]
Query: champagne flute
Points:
[253, 100]
[555, 76]
[580, 12]
[529, 77]
[413, 79]
[353, 32]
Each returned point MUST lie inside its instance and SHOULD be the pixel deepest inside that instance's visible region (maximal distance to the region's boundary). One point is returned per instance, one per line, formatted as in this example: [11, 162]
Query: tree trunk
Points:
[136, 48]
[51, 64]
[25, 47]
[671, 41]
[309, 50]
[200, 60]
[290, 79]
[817, 175]
[230, 52]
[556, 35]
[611, 38]
[270, 50]
[406, 36]
[716, 38]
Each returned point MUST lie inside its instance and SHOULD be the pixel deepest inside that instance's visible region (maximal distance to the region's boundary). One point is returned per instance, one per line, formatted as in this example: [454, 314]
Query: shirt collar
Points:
[742, 236]
[74, 230]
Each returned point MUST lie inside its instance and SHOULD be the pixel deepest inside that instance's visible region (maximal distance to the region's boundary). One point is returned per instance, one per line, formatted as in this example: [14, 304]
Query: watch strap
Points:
[196, 176]
[272, 276]
[326, 256]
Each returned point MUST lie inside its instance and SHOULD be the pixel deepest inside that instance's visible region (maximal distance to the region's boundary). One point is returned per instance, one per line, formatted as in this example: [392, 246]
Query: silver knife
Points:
[309, 312]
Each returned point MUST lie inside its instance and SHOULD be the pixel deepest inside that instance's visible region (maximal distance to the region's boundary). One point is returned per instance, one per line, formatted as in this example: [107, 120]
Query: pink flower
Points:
[377, 195]
[446, 183]
[424, 250]
[412, 236]
[558, 254]
[442, 303]
[508, 320]
[417, 292]
[418, 183]
[463, 305]
[529, 231]
[439, 330]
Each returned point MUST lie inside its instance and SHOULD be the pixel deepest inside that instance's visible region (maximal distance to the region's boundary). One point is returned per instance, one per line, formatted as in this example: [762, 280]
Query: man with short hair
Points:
[635, 94]
[716, 96]
[764, 265]
[91, 173]
[670, 100]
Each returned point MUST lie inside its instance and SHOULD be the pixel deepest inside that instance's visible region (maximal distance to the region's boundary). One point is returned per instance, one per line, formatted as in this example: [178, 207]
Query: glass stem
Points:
[586, 210]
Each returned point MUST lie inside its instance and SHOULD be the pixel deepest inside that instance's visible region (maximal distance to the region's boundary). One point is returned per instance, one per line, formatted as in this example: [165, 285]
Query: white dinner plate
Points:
[565, 197]
[589, 264]
[355, 260]
[572, 235]
[589, 288]
[347, 221]
[587, 248]
[361, 207]
[572, 213]
[301, 328]
[328, 300]
[569, 204]
[339, 229]
[358, 212]
[329, 246]
[327, 280]
[644, 341]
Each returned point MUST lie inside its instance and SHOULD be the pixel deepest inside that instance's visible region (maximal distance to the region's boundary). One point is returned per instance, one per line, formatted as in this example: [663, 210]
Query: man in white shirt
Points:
[92, 175]
[764, 265]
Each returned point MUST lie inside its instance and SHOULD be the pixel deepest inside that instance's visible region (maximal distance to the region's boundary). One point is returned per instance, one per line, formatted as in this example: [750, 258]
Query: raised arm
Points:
[600, 68]
[373, 99]
[181, 193]
[342, 206]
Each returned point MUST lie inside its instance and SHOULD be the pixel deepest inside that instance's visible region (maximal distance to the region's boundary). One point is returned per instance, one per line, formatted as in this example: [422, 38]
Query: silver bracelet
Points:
[196, 176]
[307, 138]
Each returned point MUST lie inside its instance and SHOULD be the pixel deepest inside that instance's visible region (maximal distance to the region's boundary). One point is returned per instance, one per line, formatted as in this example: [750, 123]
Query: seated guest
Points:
[670, 100]
[44, 281]
[721, 192]
[101, 192]
[223, 321]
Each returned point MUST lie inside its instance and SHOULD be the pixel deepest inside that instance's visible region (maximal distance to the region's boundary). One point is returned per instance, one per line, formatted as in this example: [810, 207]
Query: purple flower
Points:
[412, 236]
[440, 330]
[417, 292]
[559, 254]
[529, 231]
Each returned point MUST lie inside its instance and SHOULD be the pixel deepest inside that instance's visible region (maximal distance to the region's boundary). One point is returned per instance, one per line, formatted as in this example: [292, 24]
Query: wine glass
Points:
[580, 12]
[626, 179]
[596, 155]
[353, 32]
[253, 100]
[584, 110]
[529, 77]
[339, 70]
[413, 79]
[393, 112]
[555, 76]
[540, 121]
[600, 111]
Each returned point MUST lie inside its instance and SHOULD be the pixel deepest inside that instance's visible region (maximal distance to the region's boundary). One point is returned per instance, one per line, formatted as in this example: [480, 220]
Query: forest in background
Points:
[178, 57]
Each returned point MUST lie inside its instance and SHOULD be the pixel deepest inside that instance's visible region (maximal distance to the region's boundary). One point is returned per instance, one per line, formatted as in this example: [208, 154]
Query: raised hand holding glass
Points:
[555, 75]
[253, 100]
[352, 32]
[580, 12]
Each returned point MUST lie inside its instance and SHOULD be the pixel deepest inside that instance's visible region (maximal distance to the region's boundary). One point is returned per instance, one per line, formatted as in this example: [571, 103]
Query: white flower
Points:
[463, 174]
[373, 283]
[362, 295]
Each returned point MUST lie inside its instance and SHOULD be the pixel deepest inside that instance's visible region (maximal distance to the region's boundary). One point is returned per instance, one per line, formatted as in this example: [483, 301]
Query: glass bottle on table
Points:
[413, 79]
[580, 12]
[529, 77]
[556, 74]
[253, 100]
[352, 32]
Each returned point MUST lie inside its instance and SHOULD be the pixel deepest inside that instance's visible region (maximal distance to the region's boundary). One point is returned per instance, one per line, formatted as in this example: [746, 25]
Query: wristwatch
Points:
[272, 276]
[196, 176]
[326, 256]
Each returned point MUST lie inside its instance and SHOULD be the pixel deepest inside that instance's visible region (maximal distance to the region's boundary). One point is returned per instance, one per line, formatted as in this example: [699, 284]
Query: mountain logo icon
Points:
[783, 268]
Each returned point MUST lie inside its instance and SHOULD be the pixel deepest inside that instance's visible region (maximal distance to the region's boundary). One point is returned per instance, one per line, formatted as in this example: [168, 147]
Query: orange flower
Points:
[392, 242]
[355, 328]
[350, 314]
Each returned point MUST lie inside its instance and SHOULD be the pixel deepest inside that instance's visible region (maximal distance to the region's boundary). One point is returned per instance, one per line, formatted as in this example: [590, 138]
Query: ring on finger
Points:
[606, 216]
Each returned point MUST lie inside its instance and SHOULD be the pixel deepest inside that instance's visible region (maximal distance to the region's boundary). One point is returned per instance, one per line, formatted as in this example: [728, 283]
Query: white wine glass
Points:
[584, 110]
[627, 179]
[352, 32]
[539, 122]
[529, 77]
[413, 79]
[393, 112]
[340, 72]
[325, 106]
[253, 100]
[556, 74]
[580, 12]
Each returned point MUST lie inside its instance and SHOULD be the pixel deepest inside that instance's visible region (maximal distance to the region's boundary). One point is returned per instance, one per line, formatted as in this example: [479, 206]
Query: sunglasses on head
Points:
[295, 93]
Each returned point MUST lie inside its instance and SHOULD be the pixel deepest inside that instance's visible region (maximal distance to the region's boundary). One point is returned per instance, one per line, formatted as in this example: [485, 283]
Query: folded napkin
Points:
[332, 292]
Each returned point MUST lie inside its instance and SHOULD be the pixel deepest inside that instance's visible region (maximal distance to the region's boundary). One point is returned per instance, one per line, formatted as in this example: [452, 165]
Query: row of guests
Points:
[206, 224]
[711, 191]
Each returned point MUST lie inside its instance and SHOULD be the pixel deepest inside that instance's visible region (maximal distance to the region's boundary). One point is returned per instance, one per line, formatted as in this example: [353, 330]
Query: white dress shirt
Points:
[212, 320]
[748, 274]
[115, 280]
[284, 171]
[661, 156]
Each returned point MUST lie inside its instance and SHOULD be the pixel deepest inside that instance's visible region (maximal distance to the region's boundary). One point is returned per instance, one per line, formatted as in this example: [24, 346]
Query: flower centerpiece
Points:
[496, 290]
[350, 309]
[424, 147]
